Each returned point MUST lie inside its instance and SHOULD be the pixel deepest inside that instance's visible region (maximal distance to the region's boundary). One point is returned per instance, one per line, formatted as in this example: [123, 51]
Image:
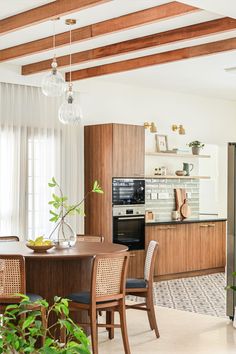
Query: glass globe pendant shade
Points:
[70, 112]
[53, 84]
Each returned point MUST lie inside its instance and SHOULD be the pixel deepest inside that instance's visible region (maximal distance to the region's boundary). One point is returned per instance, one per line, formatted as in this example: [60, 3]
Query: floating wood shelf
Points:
[178, 177]
[169, 154]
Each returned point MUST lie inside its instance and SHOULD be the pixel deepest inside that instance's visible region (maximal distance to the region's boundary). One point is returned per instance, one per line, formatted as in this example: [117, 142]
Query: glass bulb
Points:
[70, 112]
[53, 84]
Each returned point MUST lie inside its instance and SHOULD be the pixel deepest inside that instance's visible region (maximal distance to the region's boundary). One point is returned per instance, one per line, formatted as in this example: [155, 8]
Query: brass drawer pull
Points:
[208, 225]
[211, 225]
[171, 227]
[132, 255]
[162, 228]
[204, 225]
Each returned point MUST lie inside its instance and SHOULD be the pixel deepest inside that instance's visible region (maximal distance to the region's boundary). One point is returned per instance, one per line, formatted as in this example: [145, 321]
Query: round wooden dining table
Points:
[59, 272]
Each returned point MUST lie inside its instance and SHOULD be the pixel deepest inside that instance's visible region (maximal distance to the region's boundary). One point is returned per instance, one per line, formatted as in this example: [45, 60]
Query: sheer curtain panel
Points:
[34, 147]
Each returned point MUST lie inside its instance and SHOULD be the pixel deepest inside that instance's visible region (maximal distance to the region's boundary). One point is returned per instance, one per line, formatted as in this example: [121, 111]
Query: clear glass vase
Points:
[66, 237]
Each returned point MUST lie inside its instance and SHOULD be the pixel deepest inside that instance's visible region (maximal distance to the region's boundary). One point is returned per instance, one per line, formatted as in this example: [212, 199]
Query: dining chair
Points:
[107, 292]
[144, 287]
[9, 238]
[12, 282]
[90, 238]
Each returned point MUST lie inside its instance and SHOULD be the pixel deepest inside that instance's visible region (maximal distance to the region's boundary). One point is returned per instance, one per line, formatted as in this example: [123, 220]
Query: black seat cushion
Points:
[135, 283]
[34, 297]
[82, 297]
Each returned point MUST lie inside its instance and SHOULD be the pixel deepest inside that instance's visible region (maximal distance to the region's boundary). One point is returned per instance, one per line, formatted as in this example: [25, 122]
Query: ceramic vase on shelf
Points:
[196, 150]
[64, 235]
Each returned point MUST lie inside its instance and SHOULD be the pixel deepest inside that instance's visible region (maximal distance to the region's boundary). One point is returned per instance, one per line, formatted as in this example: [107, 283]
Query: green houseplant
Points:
[66, 237]
[21, 330]
[196, 146]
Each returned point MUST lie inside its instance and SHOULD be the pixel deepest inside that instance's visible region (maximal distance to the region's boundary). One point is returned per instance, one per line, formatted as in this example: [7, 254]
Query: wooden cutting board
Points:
[185, 210]
[178, 199]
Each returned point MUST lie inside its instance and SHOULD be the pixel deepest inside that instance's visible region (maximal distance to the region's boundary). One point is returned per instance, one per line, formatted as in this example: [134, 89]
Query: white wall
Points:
[212, 121]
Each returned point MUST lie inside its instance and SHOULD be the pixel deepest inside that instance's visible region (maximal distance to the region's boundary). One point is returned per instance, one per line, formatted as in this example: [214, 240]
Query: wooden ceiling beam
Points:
[155, 40]
[44, 13]
[155, 59]
[128, 21]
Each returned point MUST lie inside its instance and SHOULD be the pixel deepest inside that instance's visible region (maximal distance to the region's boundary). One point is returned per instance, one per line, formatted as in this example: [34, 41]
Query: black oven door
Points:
[129, 231]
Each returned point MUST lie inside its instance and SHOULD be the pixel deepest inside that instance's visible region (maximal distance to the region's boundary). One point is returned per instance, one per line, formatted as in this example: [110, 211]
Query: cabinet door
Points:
[212, 236]
[171, 256]
[136, 264]
[193, 241]
[128, 150]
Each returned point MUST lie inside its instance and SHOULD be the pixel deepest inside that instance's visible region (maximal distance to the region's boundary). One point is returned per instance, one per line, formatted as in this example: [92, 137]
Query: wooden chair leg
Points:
[150, 319]
[123, 325]
[151, 313]
[62, 332]
[110, 320]
[94, 333]
[44, 323]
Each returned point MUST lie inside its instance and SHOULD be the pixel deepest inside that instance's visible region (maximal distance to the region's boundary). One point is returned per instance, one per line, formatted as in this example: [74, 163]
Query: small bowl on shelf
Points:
[39, 249]
[181, 173]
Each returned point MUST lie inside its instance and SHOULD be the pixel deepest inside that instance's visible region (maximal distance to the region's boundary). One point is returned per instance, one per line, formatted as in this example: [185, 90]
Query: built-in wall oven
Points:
[128, 199]
[129, 227]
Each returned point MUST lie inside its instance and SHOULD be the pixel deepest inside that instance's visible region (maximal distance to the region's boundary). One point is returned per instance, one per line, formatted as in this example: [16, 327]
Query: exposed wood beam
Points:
[135, 19]
[155, 59]
[44, 13]
[155, 40]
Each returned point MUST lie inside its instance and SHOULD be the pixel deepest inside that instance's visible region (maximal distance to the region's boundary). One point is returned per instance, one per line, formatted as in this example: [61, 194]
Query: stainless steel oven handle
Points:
[131, 218]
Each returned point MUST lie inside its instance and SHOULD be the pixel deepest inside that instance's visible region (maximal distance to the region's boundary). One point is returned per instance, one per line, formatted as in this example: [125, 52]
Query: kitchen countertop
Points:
[202, 218]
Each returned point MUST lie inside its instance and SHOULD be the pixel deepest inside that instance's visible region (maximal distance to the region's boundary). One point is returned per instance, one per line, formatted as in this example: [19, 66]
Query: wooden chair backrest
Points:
[90, 238]
[150, 260]
[12, 277]
[109, 276]
[9, 238]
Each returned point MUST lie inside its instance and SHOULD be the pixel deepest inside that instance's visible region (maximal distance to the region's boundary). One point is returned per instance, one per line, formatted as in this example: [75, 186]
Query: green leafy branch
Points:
[22, 327]
[61, 206]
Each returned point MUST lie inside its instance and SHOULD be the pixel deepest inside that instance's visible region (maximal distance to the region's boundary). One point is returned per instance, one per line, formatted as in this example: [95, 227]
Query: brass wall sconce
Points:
[151, 126]
[178, 128]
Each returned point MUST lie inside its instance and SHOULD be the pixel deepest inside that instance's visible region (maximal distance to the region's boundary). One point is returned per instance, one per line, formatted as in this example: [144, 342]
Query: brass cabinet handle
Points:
[132, 255]
[211, 225]
[204, 225]
[162, 228]
[171, 228]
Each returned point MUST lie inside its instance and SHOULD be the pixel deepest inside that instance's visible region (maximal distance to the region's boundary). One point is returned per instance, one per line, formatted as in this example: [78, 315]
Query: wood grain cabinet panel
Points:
[136, 264]
[110, 150]
[128, 150]
[189, 247]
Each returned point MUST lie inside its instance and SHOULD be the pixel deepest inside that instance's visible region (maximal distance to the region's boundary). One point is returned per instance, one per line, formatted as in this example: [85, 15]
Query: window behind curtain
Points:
[43, 150]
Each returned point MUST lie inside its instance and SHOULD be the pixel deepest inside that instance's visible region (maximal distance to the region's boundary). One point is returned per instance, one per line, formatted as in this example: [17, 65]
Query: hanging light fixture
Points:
[53, 84]
[70, 112]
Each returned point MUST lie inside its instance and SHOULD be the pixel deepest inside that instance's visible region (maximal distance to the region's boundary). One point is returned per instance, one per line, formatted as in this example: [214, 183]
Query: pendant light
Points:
[53, 84]
[70, 112]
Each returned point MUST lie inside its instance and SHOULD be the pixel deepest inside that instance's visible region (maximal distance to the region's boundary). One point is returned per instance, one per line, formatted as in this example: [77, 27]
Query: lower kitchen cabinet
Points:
[188, 247]
[136, 264]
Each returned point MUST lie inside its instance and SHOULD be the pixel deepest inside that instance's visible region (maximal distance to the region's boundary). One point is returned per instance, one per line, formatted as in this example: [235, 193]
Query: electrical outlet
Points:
[163, 195]
[154, 196]
[189, 195]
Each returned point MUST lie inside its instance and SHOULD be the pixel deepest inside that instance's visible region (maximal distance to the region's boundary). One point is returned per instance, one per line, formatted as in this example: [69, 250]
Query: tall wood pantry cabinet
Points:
[110, 150]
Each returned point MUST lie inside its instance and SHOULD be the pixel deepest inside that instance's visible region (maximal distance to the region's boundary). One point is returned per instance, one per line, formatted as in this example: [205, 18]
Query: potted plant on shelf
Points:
[21, 329]
[65, 237]
[196, 147]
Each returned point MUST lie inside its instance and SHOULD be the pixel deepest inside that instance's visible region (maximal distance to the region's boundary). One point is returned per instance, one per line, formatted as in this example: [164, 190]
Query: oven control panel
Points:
[128, 211]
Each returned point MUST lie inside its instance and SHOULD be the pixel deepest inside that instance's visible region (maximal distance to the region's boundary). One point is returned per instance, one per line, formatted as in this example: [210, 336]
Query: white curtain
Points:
[35, 146]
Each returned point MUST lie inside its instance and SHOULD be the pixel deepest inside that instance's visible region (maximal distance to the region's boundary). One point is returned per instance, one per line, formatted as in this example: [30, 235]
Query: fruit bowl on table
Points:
[39, 249]
[40, 245]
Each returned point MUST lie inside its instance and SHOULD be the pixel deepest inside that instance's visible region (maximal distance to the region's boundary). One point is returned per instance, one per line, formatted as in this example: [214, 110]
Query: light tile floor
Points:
[181, 333]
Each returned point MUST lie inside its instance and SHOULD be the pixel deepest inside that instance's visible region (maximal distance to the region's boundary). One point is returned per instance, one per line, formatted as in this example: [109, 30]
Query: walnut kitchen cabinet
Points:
[136, 264]
[171, 257]
[110, 150]
[189, 247]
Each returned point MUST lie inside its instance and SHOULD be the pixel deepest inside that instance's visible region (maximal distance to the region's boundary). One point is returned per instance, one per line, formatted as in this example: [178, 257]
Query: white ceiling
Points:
[185, 76]
[12, 7]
